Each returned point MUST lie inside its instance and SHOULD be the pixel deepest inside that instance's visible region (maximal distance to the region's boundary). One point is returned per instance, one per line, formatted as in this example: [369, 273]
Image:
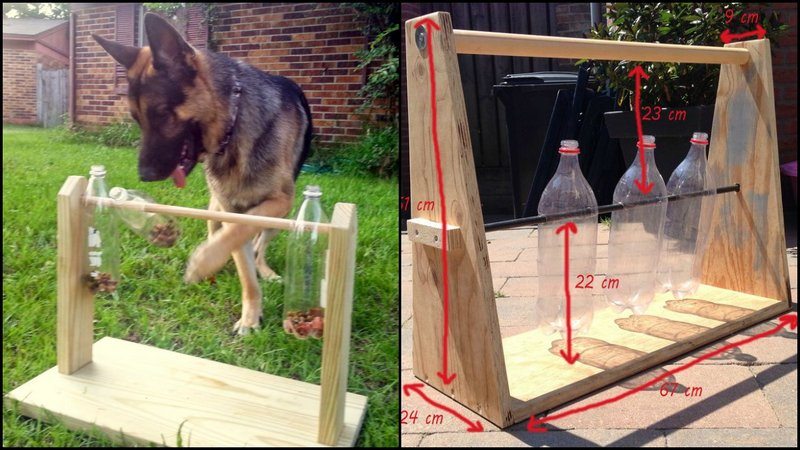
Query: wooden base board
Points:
[134, 392]
[539, 379]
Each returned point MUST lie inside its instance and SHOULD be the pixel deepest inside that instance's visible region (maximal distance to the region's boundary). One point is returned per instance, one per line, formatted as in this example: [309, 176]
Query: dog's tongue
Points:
[179, 177]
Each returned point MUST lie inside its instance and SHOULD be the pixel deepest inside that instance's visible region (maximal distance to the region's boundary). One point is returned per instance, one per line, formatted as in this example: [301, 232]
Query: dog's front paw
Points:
[243, 326]
[203, 263]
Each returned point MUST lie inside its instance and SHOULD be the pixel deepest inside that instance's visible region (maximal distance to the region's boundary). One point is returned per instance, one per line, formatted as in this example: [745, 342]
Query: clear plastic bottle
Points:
[634, 242]
[158, 229]
[305, 279]
[567, 191]
[103, 238]
[682, 251]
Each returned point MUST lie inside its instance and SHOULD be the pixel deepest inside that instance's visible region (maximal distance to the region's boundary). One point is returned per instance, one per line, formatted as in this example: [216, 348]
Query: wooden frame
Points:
[745, 275]
[148, 395]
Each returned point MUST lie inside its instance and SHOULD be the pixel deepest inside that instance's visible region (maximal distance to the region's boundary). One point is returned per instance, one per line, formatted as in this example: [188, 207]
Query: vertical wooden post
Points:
[475, 352]
[75, 332]
[341, 266]
[748, 249]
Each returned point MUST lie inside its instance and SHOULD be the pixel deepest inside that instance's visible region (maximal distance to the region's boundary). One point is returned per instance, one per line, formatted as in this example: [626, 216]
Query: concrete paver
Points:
[570, 438]
[733, 437]
[449, 423]
[779, 384]
[730, 398]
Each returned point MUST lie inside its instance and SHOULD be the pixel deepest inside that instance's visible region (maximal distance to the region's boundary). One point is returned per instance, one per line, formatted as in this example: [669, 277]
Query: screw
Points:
[421, 38]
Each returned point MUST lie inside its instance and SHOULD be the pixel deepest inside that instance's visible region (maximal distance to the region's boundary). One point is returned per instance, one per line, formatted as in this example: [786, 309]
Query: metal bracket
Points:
[421, 38]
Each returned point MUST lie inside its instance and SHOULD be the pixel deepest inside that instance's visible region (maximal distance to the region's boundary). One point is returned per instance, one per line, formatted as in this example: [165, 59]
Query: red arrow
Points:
[727, 36]
[642, 184]
[787, 320]
[417, 387]
[568, 228]
[429, 25]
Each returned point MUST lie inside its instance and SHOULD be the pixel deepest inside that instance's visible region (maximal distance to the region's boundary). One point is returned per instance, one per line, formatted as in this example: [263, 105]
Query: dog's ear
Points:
[123, 54]
[168, 47]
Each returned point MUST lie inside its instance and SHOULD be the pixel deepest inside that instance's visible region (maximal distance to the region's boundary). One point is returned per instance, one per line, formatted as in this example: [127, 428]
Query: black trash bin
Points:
[528, 99]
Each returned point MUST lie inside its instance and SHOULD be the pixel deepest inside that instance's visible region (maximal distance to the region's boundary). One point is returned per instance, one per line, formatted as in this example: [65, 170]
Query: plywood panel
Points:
[554, 381]
[149, 394]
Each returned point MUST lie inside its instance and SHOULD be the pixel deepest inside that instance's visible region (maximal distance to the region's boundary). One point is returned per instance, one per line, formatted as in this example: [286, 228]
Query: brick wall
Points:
[19, 86]
[311, 43]
[571, 20]
[784, 74]
[96, 102]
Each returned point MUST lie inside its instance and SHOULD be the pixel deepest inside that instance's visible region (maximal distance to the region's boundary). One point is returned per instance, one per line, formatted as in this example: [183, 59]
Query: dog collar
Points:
[236, 94]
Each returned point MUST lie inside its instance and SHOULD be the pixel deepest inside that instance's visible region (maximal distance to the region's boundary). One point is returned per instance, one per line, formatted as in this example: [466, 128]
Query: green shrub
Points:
[672, 84]
[376, 152]
[120, 134]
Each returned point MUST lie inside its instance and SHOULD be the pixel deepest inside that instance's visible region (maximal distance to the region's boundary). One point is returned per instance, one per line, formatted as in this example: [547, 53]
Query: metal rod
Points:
[204, 214]
[543, 218]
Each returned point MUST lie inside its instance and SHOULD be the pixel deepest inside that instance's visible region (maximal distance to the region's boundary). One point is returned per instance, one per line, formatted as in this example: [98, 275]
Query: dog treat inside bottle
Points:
[305, 280]
[103, 241]
[158, 229]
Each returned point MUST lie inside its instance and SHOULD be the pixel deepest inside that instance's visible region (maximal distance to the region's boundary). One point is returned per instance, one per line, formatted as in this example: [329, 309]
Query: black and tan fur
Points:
[183, 99]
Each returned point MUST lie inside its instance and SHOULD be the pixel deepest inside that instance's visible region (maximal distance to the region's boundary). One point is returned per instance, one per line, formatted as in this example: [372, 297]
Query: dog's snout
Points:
[149, 174]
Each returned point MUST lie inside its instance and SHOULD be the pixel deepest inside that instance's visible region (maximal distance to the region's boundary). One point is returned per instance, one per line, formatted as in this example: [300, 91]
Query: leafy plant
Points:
[382, 28]
[35, 10]
[374, 153]
[673, 84]
[120, 134]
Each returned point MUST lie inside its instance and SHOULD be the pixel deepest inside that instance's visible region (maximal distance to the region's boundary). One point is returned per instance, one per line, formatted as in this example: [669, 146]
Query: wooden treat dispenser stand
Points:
[134, 392]
[745, 273]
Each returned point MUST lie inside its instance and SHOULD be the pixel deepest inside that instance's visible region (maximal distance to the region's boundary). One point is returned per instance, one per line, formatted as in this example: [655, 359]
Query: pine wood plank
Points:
[554, 382]
[747, 251]
[474, 343]
[475, 42]
[149, 393]
[341, 266]
[75, 308]
[429, 233]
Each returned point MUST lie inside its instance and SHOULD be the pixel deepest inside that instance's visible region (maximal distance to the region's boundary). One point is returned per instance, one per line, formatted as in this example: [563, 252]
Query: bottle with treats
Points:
[103, 240]
[305, 281]
[158, 229]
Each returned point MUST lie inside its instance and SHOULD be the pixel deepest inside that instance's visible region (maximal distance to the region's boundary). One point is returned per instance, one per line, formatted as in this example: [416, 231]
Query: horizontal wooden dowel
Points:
[204, 214]
[508, 44]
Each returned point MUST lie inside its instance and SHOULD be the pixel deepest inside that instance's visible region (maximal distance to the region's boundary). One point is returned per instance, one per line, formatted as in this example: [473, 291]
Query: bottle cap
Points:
[312, 191]
[119, 194]
[699, 138]
[98, 171]
[648, 141]
[569, 147]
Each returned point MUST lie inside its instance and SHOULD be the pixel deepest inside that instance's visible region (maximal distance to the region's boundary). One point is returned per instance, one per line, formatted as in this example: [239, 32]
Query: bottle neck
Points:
[697, 152]
[568, 163]
[649, 157]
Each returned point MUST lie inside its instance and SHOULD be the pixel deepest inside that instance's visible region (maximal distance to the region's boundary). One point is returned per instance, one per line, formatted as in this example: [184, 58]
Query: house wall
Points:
[96, 100]
[311, 43]
[19, 85]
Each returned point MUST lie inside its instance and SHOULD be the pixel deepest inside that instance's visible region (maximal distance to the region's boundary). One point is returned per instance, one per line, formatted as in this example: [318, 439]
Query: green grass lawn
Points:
[154, 305]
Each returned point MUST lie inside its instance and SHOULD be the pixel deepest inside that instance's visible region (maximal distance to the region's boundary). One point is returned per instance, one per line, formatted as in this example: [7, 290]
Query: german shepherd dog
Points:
[251, 130]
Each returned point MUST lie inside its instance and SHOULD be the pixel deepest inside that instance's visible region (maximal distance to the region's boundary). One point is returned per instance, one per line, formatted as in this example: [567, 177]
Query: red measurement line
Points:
[417, 387]
[789, 319]
[428, 23]
[568, 228]
[638, 73]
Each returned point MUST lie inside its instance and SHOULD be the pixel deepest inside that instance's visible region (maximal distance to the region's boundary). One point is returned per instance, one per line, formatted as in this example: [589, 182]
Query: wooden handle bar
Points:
[508, 44]
[244, 219]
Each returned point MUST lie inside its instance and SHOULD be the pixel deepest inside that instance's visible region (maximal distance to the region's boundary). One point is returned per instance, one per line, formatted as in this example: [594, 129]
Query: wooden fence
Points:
[51, 96]
[485, 114]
